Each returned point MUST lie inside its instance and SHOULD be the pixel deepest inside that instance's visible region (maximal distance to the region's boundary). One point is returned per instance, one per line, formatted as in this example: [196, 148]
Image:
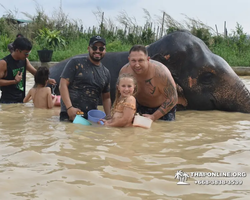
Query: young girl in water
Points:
[40, 94]
[124, 106]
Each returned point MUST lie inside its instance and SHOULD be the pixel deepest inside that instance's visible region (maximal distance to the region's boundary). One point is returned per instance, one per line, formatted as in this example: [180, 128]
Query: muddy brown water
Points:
[42, 158]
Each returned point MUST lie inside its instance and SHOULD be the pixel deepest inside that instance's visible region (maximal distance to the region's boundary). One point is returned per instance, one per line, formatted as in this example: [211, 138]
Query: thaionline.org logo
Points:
[182, 177]
[210, 178]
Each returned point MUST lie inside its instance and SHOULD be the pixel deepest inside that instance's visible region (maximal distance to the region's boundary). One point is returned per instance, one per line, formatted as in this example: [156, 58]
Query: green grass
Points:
[233, 57]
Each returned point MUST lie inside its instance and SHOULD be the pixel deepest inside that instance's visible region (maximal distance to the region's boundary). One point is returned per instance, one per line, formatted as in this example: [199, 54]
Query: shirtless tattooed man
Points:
[157, 95]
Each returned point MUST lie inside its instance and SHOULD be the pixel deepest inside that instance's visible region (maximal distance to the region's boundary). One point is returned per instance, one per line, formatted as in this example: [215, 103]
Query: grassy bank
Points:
[79, 46]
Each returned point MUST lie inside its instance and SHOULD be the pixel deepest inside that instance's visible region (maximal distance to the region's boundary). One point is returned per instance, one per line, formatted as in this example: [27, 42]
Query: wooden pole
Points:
[225, 29]
[216, 29]
[162, 24]
[102, 22]
[157, 34]
[125, 29]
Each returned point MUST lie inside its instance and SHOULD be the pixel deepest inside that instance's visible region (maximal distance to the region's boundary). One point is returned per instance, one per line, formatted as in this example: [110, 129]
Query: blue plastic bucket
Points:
[96, 115]
[80, 120]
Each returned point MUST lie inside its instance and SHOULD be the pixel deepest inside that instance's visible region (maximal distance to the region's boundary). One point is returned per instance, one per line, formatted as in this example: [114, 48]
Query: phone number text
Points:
[218, 182]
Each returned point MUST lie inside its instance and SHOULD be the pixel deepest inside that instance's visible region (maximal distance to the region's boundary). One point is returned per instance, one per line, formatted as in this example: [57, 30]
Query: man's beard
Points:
[95, 59]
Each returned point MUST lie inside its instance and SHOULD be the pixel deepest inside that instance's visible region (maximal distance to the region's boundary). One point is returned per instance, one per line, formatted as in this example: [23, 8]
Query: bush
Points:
[48, 39]
[4, 41]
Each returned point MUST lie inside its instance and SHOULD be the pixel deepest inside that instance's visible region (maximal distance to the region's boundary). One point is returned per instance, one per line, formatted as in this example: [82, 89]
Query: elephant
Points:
[204, 80]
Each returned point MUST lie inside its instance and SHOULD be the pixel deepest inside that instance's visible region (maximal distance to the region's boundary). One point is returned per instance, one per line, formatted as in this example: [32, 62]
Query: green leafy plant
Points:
[48, 39]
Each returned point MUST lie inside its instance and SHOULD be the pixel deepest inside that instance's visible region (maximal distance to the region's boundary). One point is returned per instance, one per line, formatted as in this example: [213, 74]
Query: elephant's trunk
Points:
[239, 100]
[243, 99]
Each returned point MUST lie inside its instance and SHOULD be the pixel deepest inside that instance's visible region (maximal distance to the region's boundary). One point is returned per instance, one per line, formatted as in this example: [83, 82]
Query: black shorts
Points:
[64, 117]
[170, 116]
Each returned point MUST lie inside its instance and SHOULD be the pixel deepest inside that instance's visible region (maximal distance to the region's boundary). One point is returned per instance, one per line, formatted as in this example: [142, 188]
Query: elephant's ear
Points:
[165, 61]
[160, 58]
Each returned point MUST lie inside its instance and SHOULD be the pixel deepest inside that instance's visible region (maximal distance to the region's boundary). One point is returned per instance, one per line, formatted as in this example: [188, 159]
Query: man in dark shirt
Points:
[13, 72]
[83, 80]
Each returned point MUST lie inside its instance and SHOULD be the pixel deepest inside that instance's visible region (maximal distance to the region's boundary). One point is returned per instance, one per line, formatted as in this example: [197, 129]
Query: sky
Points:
[212, 12]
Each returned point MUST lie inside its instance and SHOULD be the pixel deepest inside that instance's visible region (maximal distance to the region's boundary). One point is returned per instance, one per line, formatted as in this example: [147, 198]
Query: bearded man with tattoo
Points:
[156, 90]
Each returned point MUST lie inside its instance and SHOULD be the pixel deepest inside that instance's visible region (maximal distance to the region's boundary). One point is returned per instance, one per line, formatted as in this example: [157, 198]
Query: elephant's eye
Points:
[206, 78]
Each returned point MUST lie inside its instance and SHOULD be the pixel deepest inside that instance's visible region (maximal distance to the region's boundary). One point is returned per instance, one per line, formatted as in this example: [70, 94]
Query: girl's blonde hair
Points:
[117, 92]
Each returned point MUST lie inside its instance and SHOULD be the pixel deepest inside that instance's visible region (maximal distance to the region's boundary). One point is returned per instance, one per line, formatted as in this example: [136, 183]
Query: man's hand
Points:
[149, 116]
[72, 113]
[18, 77]
[52, 81]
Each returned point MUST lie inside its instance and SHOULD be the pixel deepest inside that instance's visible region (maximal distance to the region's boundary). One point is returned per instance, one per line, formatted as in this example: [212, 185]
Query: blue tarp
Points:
[19, 21]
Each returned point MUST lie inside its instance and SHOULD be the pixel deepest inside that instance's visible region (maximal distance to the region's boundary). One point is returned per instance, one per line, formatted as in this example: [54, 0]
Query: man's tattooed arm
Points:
[168, 90]
[170, 95]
